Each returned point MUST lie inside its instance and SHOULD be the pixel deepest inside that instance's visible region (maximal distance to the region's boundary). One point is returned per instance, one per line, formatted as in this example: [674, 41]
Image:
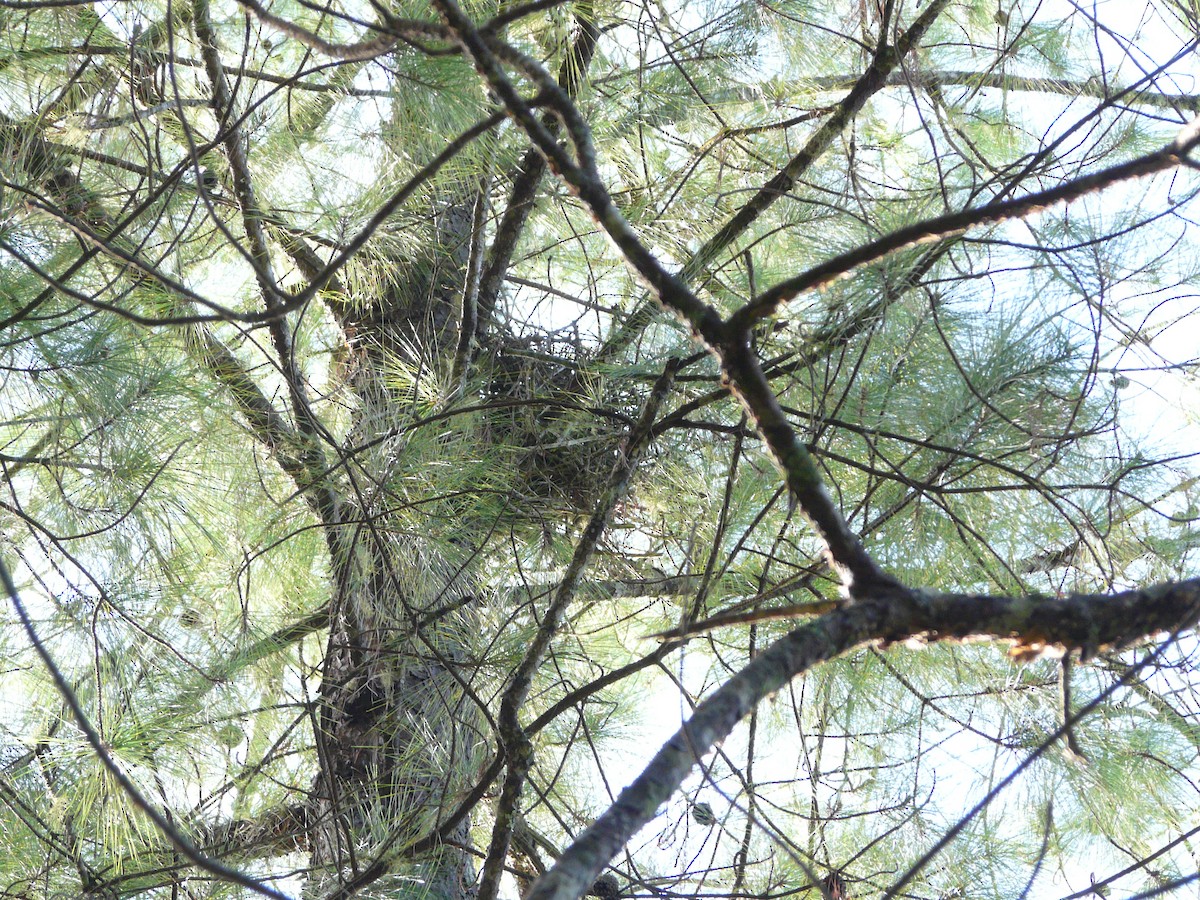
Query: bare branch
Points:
[1171, 156]
[1084, 622]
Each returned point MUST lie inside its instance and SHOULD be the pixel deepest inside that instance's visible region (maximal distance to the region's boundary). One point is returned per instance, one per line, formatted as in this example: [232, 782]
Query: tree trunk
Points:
[399, 740]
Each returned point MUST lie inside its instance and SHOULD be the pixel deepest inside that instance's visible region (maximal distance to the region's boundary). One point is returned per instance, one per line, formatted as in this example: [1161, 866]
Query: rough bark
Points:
[398, 739]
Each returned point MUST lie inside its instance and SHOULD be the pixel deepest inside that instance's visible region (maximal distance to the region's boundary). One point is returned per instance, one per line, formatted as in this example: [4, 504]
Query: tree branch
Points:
[514, 740]
[1169, 157]
[529, 176]
[1086, 622]
[170, 832]
[396, 31]
[729, 345]
[875, 78]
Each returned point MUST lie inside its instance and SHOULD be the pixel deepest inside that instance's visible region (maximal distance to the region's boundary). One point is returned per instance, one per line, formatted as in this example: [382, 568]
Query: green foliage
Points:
[264, 575]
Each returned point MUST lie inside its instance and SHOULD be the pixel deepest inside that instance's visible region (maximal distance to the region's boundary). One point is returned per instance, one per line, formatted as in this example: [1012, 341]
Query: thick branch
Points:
[876, 77]
[1087, 622]
[730, 345]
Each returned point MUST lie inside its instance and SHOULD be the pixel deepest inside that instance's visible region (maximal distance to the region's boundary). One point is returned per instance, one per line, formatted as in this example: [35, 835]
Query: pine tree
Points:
[415, 414]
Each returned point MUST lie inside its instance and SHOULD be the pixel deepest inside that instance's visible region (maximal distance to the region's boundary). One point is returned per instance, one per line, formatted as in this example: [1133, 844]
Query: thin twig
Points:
[172, 834]
[1171, 156]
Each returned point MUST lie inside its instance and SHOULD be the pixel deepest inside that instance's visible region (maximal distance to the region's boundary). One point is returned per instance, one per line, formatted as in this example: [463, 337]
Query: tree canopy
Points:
[568, 447]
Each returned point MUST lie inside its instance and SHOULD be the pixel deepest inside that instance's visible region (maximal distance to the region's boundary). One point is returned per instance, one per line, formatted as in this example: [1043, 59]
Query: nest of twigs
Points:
[565, 428]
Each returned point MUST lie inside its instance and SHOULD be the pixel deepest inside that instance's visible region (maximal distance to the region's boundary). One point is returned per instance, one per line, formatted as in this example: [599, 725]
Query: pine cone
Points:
[605, 887]
[834, 886]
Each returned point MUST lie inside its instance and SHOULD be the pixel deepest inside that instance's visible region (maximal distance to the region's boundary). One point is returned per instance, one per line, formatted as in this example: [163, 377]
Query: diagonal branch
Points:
[178, 840]
[397, 30]
[514, 739]
[266, 422]
[1171, 156]
[730, 346]
[883, 67]
[1087, 622]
